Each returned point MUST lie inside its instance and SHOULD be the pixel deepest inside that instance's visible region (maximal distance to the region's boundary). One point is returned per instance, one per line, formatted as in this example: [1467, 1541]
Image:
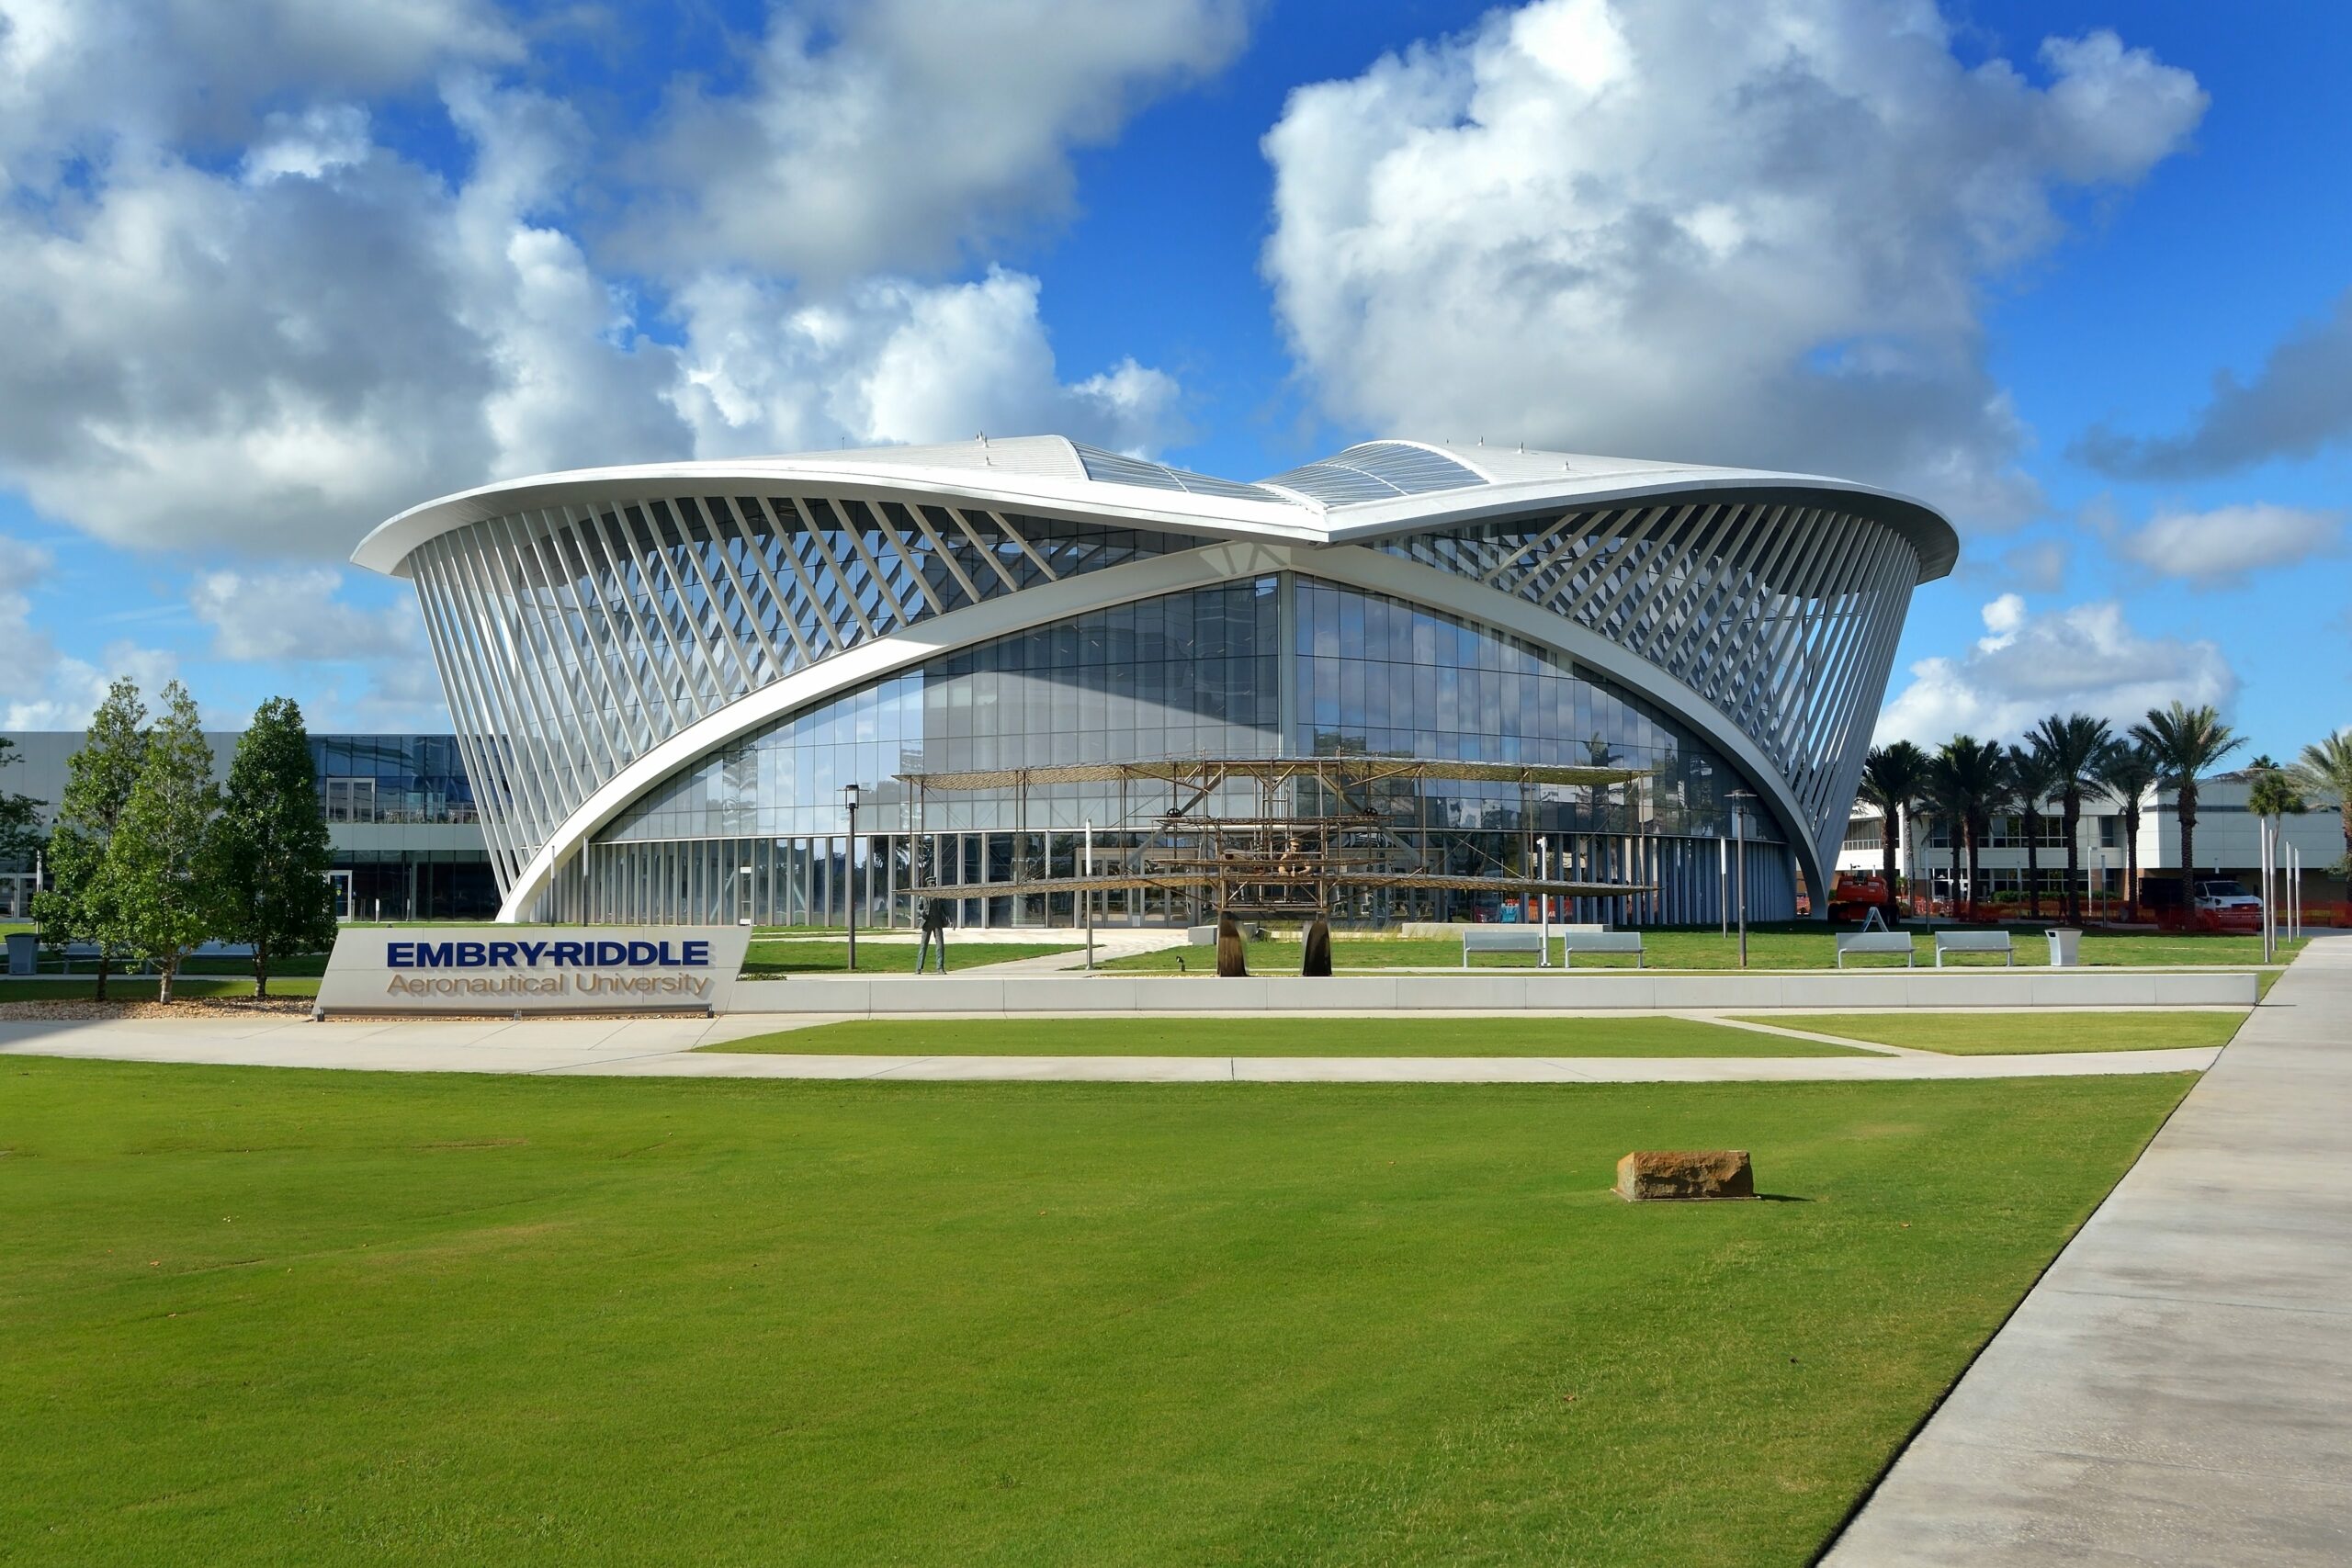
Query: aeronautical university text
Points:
[558, 984]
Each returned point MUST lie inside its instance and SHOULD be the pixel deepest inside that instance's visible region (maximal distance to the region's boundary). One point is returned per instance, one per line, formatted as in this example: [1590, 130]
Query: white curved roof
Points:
[1373, 489]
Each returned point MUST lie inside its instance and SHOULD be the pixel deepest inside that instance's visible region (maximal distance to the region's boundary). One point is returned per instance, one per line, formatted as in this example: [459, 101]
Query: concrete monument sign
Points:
[532, 969]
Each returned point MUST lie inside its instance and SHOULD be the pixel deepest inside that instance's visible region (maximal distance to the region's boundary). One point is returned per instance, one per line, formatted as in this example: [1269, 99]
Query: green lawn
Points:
[1998, 1033]
[1389, 1036]
[770, 958]
[295, 1318]
[143, 989]
[1812, 949]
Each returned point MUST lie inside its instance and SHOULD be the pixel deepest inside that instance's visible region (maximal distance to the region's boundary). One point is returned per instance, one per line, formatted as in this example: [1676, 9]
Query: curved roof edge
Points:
[1049, 474]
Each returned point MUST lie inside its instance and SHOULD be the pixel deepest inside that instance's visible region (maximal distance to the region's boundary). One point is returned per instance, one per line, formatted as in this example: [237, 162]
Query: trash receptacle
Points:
[24, 953]
[2065, 947]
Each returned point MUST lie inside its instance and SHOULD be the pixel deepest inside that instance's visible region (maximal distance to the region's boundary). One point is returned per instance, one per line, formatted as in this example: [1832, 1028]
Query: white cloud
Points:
[2297, 404]
[200, 360]
[275, 358]
[2084, 658]
[1640, 230]
[48, 690]
[296, 613]
[887, 135]
[365, 668]
[84, 78]
[768, 368]
[2004, 618]
[2217, 548]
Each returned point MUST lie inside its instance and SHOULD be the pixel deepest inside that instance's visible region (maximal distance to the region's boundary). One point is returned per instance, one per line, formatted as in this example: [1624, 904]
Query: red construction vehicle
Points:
[1856, 894]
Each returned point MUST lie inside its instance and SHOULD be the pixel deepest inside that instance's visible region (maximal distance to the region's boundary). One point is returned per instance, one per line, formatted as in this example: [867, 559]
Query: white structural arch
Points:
[600, 631]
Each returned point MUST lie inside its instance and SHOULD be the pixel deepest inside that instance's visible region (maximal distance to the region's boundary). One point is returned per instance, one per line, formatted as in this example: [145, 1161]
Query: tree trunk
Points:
[1890, 834]
[2033, 864]
[2187, 804]
[105, 964]
[1976, 845]
[2073, 820]
[261, 970]
[2130, 825]
[169, 970]
[1958, 835]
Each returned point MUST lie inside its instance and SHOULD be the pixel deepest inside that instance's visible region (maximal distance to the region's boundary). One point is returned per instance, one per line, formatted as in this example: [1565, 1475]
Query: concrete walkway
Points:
[666, 1048]
[2177, 1390]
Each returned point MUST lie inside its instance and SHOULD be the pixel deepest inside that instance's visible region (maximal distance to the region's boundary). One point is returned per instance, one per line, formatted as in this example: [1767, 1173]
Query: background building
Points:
[2227, 846]
[664, 676]
[400, 817]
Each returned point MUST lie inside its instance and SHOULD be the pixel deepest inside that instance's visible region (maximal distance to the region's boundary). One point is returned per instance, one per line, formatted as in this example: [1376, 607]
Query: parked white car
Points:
[2225, 896]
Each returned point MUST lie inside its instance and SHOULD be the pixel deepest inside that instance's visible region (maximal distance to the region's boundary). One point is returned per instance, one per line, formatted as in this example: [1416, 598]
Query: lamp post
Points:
[2269, 896]
[1739, 833]
[1543, 899]
[1089, 896]
[849, 871]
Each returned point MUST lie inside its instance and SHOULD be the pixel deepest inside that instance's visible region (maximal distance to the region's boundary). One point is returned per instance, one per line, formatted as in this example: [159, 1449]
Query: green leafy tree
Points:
[98, 781]
[2031, 780]
[2128, 771]
[20, 834]
[2185, 742]
[1894, 779]
[2273, 794]
[155, 898]
[1970, 781]
[2326, 770]
[264, 868]
[1939, 807]
[2069, 749]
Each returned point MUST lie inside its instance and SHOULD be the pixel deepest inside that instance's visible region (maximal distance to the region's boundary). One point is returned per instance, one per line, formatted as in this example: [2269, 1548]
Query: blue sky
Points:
[271, 270]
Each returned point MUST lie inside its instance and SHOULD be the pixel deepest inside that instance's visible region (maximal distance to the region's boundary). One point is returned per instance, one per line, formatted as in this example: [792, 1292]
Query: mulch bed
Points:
[86, 1012]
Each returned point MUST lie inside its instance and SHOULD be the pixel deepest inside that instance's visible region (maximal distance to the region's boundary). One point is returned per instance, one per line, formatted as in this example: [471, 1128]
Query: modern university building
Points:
[664, 677]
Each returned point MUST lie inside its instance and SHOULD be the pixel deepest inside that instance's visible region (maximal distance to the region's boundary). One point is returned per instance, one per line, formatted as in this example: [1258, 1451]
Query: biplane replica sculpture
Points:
[1320, 827]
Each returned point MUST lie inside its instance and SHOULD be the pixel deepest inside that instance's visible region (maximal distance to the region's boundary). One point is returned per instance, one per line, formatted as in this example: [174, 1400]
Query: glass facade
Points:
[759, 829]
[1782, 616]
[408, 843]
[391, 778]
[573, 639]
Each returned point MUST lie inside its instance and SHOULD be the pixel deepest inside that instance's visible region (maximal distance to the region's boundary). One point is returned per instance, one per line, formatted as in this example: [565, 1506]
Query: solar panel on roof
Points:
[1118, 469]
[1334, 484]
[1416, 470]
[1377, 470]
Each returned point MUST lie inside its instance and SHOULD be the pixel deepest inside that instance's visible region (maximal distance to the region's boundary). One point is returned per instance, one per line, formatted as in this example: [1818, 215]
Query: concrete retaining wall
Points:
[1826, 991]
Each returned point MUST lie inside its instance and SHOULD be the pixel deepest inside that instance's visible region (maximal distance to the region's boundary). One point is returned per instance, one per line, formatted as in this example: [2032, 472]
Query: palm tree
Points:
[2071, 747]
[2030, 782]
[2186, 741]
[2325, 769]
[2127, 772]
[1894, 779]
[1943, 807]
[1971, 781]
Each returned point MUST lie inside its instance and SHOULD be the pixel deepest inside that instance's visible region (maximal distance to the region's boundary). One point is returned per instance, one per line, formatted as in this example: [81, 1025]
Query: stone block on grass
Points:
[1685, 1175]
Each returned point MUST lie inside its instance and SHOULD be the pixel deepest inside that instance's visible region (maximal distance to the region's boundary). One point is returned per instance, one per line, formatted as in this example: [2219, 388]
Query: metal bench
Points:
[1876, 942]
[1573, 943]
[1504, 938]
[1975, 941]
